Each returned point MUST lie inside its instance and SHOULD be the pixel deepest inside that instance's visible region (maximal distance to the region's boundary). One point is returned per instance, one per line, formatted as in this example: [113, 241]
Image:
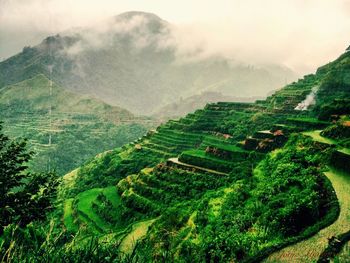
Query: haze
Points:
[298, 34]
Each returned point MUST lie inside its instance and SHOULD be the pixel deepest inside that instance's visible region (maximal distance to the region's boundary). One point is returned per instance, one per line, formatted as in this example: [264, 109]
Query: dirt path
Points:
[176, 161]
[139, 230]
[310, 249]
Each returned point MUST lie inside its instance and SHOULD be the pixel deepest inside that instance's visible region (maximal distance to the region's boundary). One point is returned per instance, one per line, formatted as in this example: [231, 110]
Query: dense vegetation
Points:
[65, 129]
[232, 182]
[25, 196]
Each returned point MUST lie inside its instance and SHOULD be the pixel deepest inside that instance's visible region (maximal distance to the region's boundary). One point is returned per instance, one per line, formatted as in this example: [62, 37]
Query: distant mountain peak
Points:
[130, 14]
[142, 20]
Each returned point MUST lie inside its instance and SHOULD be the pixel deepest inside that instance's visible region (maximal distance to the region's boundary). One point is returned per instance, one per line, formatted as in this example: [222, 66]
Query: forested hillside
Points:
[64, 128]
[232, 182]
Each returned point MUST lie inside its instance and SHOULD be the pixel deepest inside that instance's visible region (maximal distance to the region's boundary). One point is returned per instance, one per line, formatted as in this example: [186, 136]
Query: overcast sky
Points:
[300, 34]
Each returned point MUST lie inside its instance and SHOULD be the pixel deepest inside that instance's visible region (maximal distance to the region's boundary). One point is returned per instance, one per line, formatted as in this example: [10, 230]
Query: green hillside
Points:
[232, 182]
[64, 128]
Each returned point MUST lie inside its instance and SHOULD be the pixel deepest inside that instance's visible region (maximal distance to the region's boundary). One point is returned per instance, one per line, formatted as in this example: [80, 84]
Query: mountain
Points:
[186, 105]
[232, 182]
[133, 61]
[64, 128]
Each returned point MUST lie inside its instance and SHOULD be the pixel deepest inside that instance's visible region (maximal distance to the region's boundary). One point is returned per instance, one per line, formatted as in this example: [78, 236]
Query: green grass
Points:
[316, 136]
[112, 196]
[345, 150]
[68, 218]
[139, 230]
[203, 155]
[186, 165]
[84, 205]
[80, 126]
[308, 120]
[225, 146]
[215, 204]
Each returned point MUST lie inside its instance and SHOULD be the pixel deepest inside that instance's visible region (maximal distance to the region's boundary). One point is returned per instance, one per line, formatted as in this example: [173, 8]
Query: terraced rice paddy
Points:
[85, 211]
[79, 211]
[184, 149]
[309, 250]
[197, 168]
[316, 136]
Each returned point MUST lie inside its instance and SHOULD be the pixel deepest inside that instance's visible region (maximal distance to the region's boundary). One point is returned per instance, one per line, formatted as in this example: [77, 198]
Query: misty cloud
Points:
[137, 29]
[298, 34]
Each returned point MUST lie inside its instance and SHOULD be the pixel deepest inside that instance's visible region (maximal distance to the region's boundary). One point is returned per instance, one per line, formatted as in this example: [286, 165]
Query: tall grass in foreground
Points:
[49, 245]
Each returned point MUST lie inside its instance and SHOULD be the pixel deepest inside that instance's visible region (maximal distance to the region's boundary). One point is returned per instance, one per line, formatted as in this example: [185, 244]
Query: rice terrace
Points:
[205, 138]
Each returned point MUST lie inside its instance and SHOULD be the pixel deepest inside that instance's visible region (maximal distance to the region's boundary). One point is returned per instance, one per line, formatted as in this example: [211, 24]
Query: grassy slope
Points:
[161, 190]
[81, 206]
[138, 231]
[85, 211]
[309, 250]
[176, 161]
[315, 135]
[68, 218]
[215, 203]
[111, 194]
[36, 91]
[79, 126]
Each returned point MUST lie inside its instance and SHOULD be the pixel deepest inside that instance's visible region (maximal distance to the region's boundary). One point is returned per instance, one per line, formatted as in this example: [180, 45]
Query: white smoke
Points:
[309, 100]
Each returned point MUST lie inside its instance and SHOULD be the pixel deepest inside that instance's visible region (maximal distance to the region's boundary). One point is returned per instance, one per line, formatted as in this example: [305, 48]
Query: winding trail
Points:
[138, 231]
[177, 162]
[310, 249]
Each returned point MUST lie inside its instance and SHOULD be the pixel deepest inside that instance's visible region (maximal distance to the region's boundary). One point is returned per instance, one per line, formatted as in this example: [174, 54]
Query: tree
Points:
[24, 196]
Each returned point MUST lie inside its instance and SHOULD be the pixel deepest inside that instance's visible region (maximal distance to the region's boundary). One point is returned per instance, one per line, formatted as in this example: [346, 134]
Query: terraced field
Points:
[310, 249]
[202, 159]
[232, 182]
[195, 131]
[64, 128]
[341, 157]
[175, 161]
[288, 98]
[85, 211]
[79, 211]
[194, 157]
[316, 136]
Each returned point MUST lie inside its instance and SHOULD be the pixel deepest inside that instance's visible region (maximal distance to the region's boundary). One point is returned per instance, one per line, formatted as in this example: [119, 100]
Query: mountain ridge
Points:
[112, 62]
